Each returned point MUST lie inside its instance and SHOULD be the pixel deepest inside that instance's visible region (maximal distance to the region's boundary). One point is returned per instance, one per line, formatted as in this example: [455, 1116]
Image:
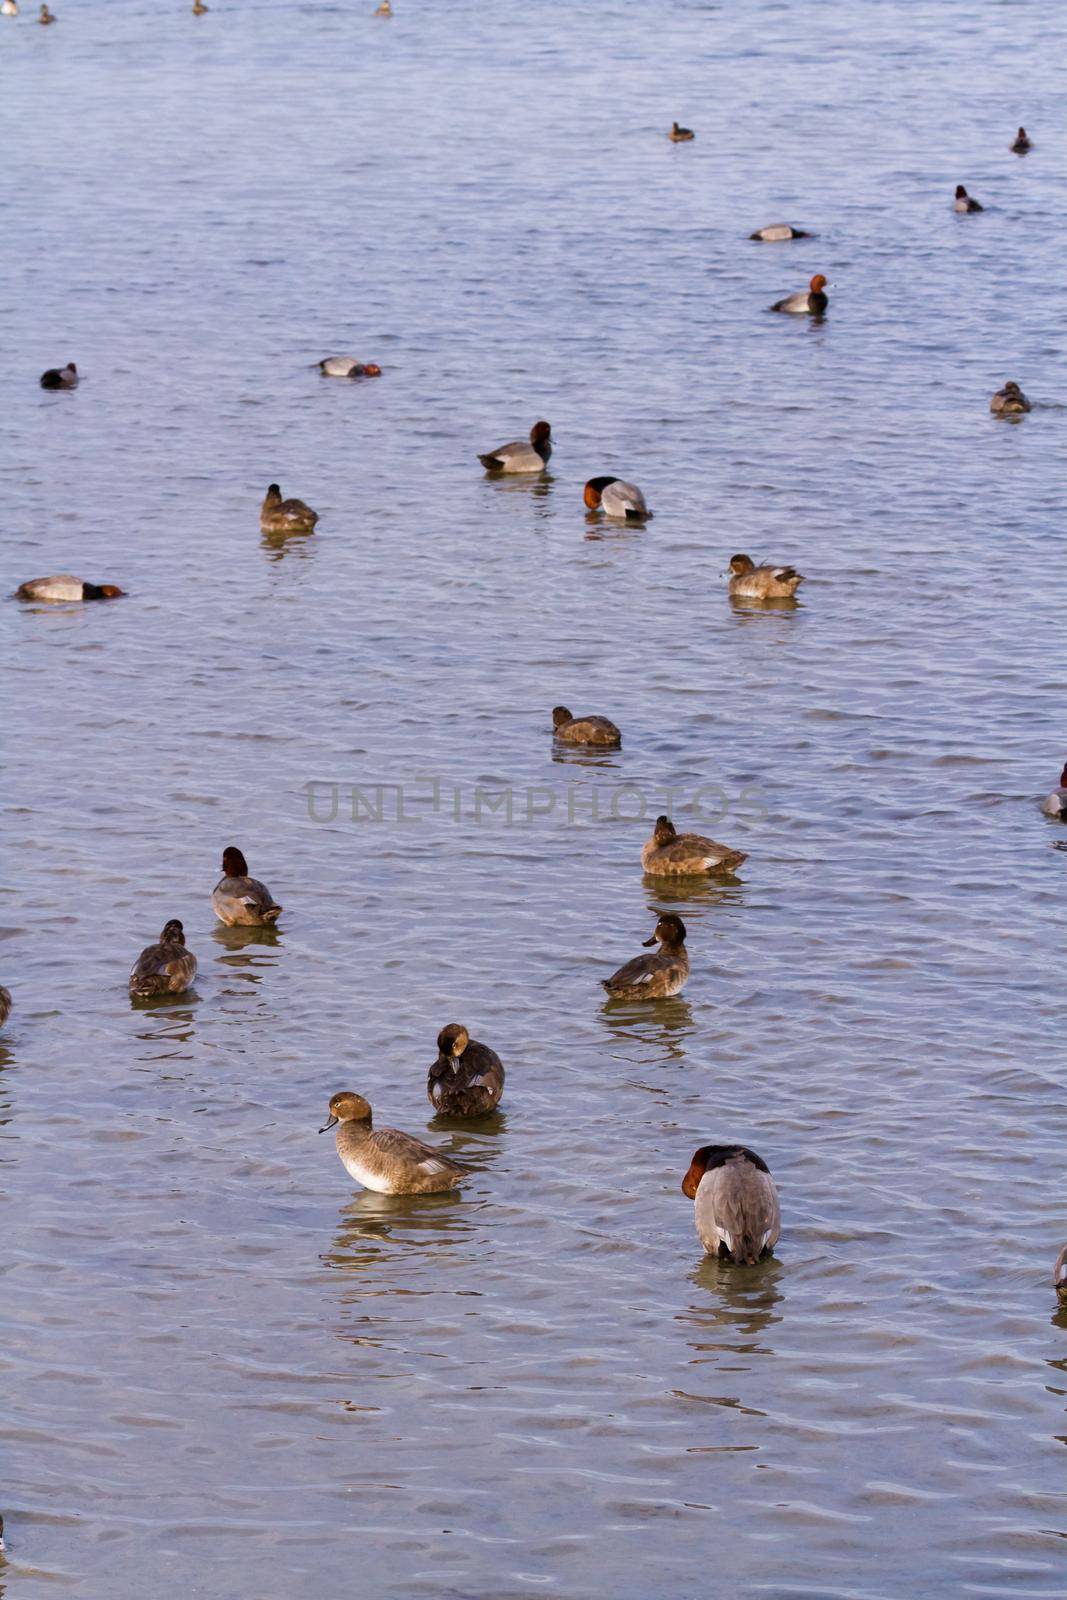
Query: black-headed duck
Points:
[386, 1160]
[60, 377]
[241, 901]
[349, 367]
[736, 1202]
[285, 516]
[1009, 401]
[749, 582]
[1059, 1277]
[811, 301]
[657, 976]
[774, 232]
[679, 135]
[1022, 142]
[584, 730]
[467, 1079]
[670, 854]
[964, 201]
[520, 455]
[164, 968]
[5, 1004]
[1056, 804]
[616, 498]
[63, 587]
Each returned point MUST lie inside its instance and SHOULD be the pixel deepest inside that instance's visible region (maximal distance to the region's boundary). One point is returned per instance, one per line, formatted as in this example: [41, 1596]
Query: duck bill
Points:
[646, 942]
[331, 1122]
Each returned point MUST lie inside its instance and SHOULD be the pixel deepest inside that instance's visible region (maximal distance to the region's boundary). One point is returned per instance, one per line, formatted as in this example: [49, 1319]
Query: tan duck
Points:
[584, 730]
[164, 968]
[677, 855]
[60, 377]
[1056, 804]
[809, 302]
[467, 1079]
[749, 582]
[736, 1202]
[241, 901]
[520, 456]
[285, 516]
[386, 1160]
[657, 976]
[5, 1004]
[776, 231]
[1009, 401]
[1059, 1277]
[63, 588]
[679, 135]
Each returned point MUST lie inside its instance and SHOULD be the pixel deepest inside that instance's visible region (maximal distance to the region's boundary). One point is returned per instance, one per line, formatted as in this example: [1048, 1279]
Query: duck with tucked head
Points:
[1059, 1277]
[60, 377]
[64, 587]
[584, 730]
[1022, 142]
[749, 582]
[679, 135]
[1056, 804]
[670, 854]
[241, 901]
[1009, 401]
[5, 1004]
[520, 456]
[776, 231]
[810, 302]
[467, 1079]
[285, 516]
[386, 1160]
[657, 976]
[736, 1202]
[349, 367]
[616, 498]
[164, 968]
[964, 201]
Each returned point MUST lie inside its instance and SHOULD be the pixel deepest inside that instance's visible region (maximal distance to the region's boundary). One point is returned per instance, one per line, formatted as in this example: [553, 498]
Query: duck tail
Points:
[732, 860]
[490, 463]
[272, 913]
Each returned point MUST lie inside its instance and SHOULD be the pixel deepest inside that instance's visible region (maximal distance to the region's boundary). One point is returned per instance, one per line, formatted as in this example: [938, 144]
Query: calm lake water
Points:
[227, 1372]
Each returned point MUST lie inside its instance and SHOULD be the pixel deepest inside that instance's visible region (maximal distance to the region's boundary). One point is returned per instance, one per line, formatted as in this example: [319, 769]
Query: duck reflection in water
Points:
[706, 891]
[298, 542]
[736, 1311]
[661, 1031]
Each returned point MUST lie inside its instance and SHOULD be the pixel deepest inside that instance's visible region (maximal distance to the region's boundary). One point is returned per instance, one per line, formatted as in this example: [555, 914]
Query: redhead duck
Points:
[285, 516]
[164, 968]
[1059, 1277]
[679, 135]
[1022, 142]
[387, 1161]
[520, 456]
[964, 201]
[774, 231]
[349, 367]
[60, 377]
[812, 301]
[5, 1004]
[467, 1079]
[63, 586]
[241, 901]
[736, 1202]
[669, 853]
[616, 498]
[657, 976]
[1009, 401]
[584, 730]
[9, 8]
[749, 582]
[46, 17]
[1056, 804]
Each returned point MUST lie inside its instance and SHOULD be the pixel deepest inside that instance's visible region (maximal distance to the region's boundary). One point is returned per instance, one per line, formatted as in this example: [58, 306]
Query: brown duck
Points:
[467, 1079]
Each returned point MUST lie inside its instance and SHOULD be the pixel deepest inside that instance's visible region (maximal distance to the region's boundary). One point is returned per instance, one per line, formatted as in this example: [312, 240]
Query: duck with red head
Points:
[1056, 804]
[63, 589]
[164, 968]
[616, 498]
[1022, 142]
[467, 1079]
[670, 854]
[520, 455]
[735, 1202]
[810, 302]
[348, 367]
[241, 901]
[584, 730]
[657, 976]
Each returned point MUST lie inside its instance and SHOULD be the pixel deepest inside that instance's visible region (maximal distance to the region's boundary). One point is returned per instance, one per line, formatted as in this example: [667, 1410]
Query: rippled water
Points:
[225, 1372]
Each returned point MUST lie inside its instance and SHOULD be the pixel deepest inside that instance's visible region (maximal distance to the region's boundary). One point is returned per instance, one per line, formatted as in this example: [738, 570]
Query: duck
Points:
[46, 17]
[164, 968]
[670, 854]
[680, 135]
[811, 301]
[60, 377]
[1, 1534]
[775, 231]
[657, 976]
[238, 900]
[1056, 804]
[736, 1202]
[199, 9]
[1059, 1278]
[64, 587]
[1009, 401]
[5, 1004]
[749, 582]
[520, 456]
[9, 8]
[616, 498]
[1022, 142]
[349, 367]
[584, 730]
[387, 1161]
[467, 1079]
[384, 10]
[285, 516]
[964, 201]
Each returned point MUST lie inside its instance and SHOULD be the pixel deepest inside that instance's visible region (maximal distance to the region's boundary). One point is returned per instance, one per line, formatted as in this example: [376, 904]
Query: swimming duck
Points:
[1059, 1278]
[349, 367]
[199, 9]
[736, 1208]
[1022, 142]
[1009, 401]
[5, 1004]
[388, 1161]
[679, 135]
[779, 230]
[467, 1079]
[285, 516]
[384, 10]
[60, 377]
[520, 456]
[63, 586]
[749, 582]
[616, 498]
[46, 17]
[241, 901]
[1056, 804]
[812, 301]
[164, 968]
[654, 977]
[964, 201]
[669, 853]
[9, 8]
[584, 730]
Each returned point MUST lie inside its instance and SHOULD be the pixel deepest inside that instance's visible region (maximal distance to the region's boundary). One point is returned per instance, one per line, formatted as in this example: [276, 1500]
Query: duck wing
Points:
[642, 969]
[398, 1146]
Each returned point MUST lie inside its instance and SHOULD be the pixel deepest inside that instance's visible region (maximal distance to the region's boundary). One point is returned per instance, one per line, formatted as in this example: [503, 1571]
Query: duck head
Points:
[103, 591]
[716, 1155]
[173, 933]
[234, 864]
[740, 565]
[1063, 777]
[540, 434]
[347, 1107]
[669, 932]
[594, 490]
[1012, 389]
[961, 193]
[818, 283]
[372, 370]
[664, 831]
[451, 1042]
[273, 495]
[560, 715]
